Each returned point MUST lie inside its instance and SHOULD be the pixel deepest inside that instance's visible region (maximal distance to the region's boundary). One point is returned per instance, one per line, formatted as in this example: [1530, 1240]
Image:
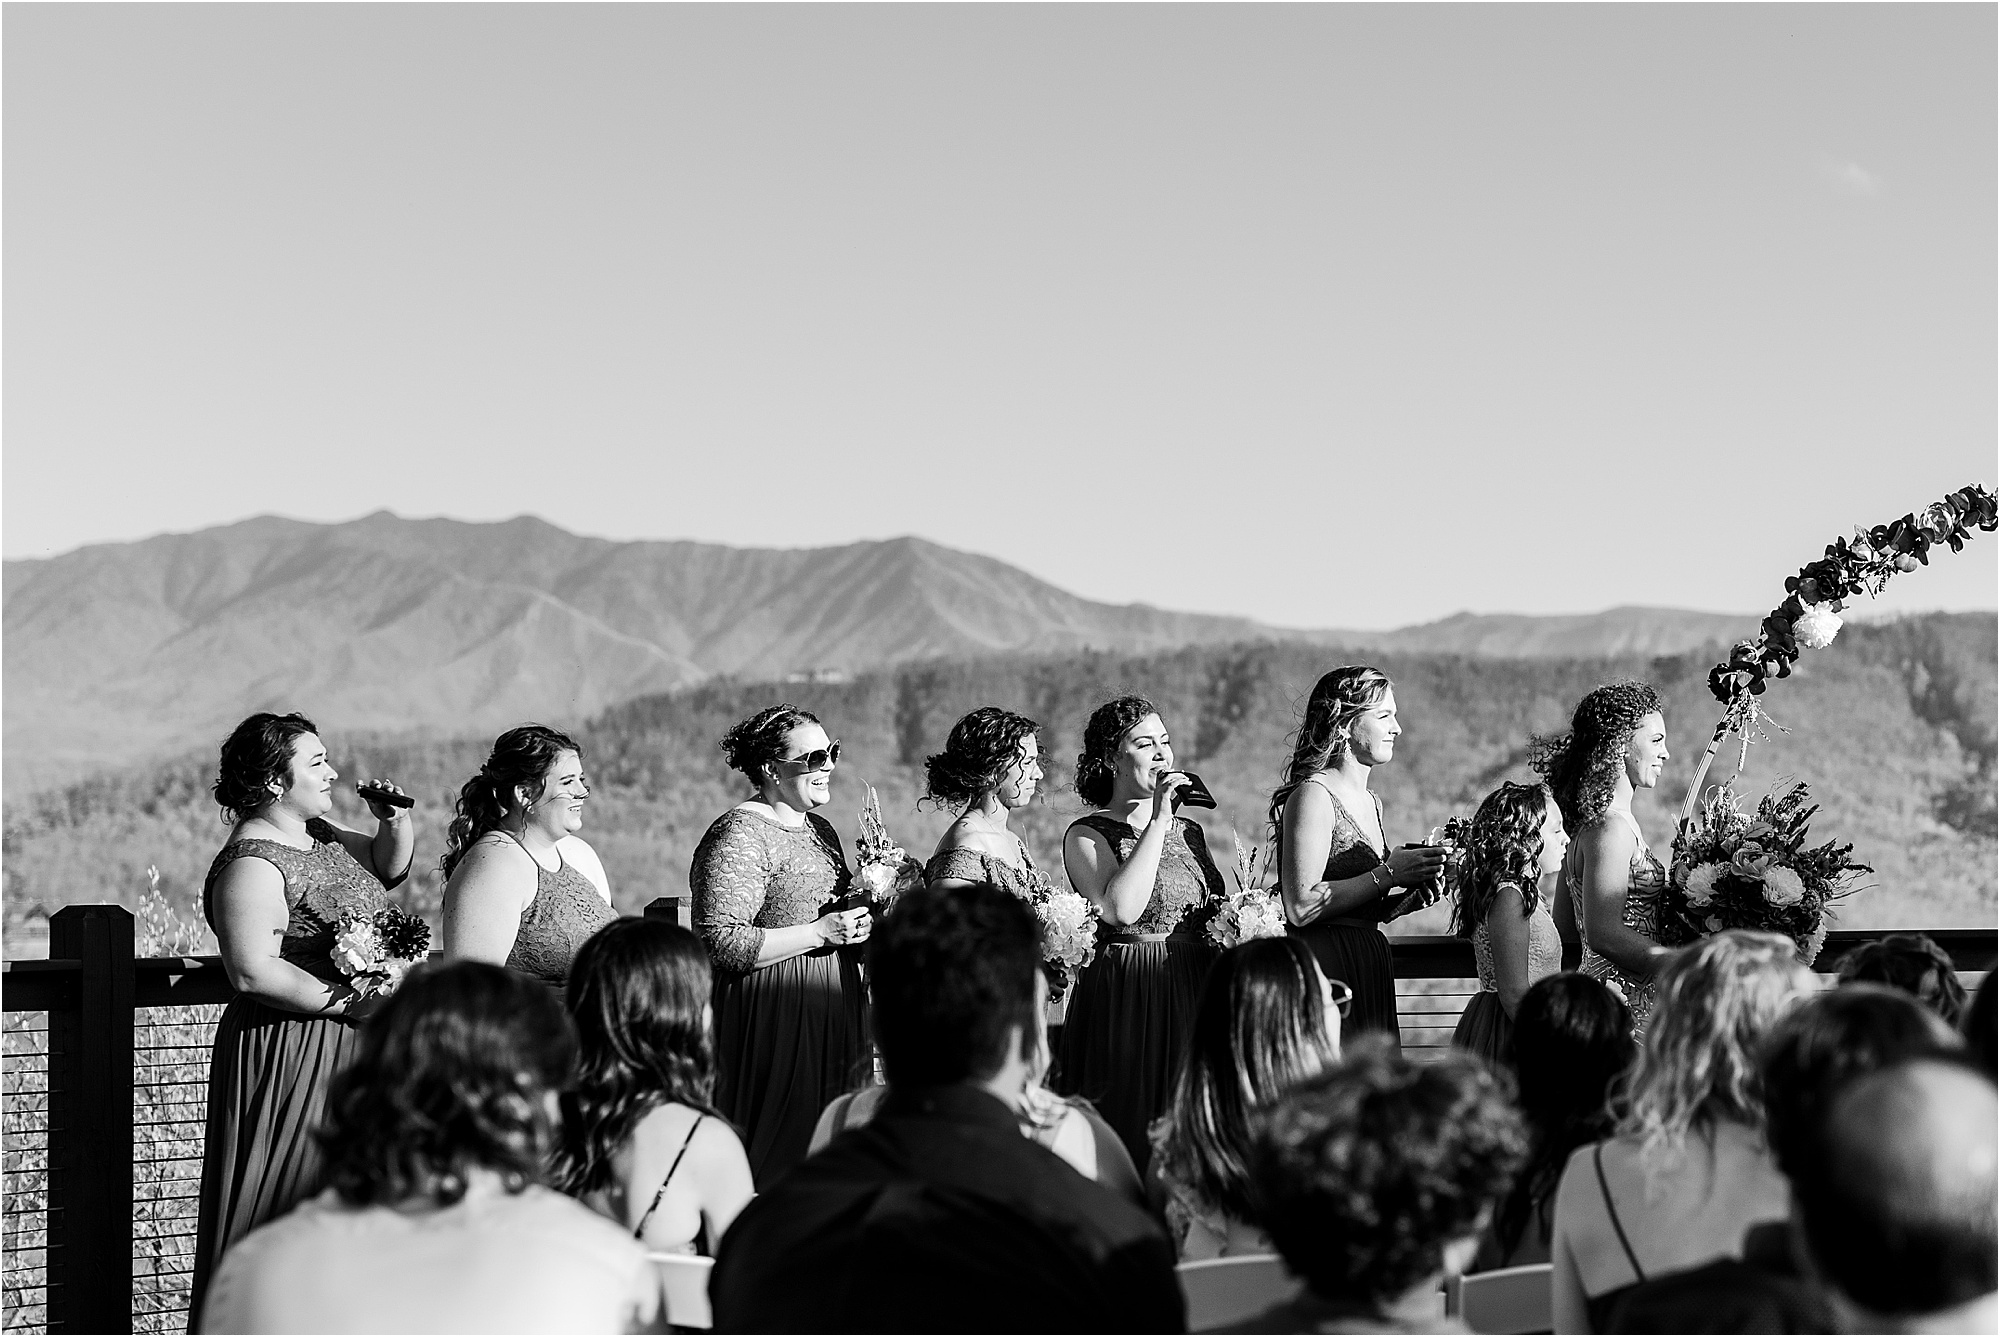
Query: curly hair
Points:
[453, 1074]
[1259, 1029]
[638, 992]
[521, 759]
[1505, 847]
[752, 745]
[982, 748]
[1717, 1000]
[1368, 1171]
[1339, 698]
[1096, 764]
[1582, 765]
[1916, 965]
[256, 755]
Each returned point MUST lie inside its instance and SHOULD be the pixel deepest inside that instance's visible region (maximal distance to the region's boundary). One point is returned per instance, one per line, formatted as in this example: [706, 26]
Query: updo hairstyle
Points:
[982, 748]
[754, 744]
[1339, 698]
[1582, 765]
[1109, 724]
[256, 755]
[1505, 846]
[521, 759]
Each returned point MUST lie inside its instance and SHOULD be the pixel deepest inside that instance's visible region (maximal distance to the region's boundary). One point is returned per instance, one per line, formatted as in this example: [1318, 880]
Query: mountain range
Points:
[120, 651]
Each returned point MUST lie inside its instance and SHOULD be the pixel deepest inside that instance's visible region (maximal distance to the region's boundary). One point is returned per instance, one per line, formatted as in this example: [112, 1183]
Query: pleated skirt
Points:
[1485, 1029]
[789, 1037]
[267, 1087]
[1130, 1013]
[1357, 955]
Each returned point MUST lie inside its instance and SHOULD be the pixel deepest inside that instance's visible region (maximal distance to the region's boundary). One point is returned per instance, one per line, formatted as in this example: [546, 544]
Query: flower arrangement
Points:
[375, 951]
[1252, 910]
[1733, 869]
[883, 870]
[1069, 930]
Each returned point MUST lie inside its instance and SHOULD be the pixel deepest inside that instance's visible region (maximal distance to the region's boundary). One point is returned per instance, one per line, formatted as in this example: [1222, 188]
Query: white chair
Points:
[1221, 1291]
[684, 1288]
[1513, 1299]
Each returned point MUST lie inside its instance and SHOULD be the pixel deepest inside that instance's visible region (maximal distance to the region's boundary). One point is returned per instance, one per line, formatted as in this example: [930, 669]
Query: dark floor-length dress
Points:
[1350, 947]
[267, 1080]
[792, 1035]
[1132, 1007]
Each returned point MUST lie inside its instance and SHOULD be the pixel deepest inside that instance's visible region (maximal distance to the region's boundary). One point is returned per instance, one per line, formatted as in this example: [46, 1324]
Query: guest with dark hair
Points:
[435, 1220]
[521, 888]
[989, 767]
[1148, 872]
[1517, 837]
[791, 1017]
[937, 1215]
[1824, 1046]
[1374, 1180]
[274, 897]
[1573, 1045]
[1266, 1021]
[1335, 868]
[1913, 963]
[1611, 883]
[1688, 1171]
[642, 1140]
[1982, 1037]
[1894, 1200]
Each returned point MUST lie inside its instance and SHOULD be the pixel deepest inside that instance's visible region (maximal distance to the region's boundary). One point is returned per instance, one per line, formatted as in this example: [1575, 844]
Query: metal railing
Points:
[105, 1068]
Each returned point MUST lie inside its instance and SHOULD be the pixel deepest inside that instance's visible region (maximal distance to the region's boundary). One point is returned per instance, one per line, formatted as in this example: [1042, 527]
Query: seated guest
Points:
[642, 1140]
[1913, 963]
[1895, 1200]
[1374, 1180]
[1812, 1055]
[1981, 1040]
[937, 1215]
[1688, 1171]
[1265, 1022]
[434, 1220]
[1573, 1041]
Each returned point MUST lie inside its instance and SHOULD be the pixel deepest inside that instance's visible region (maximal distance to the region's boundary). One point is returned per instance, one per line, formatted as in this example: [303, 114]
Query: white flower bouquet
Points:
[883, 870]
[375, 951]
[1252, 910]
[1069, 931]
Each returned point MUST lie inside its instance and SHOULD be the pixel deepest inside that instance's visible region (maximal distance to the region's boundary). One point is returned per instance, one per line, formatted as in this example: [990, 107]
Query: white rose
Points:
[1816, 627]
[1782, 887]
[1701, 884]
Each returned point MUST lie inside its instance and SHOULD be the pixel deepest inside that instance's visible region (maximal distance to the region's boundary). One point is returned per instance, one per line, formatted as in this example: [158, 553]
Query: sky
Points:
[1338, 316]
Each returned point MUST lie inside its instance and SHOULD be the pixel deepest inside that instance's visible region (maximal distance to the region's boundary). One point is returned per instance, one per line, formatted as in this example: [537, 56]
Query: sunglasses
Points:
[819, 759]
[1343, 998]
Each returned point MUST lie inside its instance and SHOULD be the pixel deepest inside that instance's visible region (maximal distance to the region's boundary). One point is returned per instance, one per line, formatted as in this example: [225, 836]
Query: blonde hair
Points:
[1717, 1000]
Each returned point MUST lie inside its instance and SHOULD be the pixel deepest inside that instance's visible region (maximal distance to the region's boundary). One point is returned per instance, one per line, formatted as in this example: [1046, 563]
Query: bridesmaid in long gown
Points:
[1611, 883]
[1517, 837]
[274, 897]
[1133, 1006]
[990, 766]
[1335, 869]
[791, 1017]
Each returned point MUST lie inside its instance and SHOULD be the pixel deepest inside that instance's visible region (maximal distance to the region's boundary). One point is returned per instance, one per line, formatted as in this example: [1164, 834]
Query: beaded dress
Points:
[1484, 1027]
[1644, 885]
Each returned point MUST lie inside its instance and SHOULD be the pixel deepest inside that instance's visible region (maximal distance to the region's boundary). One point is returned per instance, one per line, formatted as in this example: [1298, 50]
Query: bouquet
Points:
[1252, 910]
[1733, 869]
[1454, 838]
[883, 870]
[1069, 930]
[375, 951]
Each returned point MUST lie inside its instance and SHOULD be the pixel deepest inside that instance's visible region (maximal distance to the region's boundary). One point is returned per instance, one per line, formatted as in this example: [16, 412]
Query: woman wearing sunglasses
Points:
[791, 1020]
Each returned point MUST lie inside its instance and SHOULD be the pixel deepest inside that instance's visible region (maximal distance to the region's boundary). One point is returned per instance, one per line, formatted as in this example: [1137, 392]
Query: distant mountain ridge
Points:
[120, 650]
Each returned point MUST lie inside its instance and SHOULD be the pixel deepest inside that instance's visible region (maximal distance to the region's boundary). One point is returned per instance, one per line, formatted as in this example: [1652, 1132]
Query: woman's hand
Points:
[841, 928]
[1163, 796]
[1416, 865]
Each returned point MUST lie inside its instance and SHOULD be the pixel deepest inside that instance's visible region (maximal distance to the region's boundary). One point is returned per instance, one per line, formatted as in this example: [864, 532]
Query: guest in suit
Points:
[937, 1215]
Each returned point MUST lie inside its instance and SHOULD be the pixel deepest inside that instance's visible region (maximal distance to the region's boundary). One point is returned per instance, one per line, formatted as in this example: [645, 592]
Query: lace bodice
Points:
[970, 865]
[751, 873]
[1646, 880]
[566, 910]
[320, 883]
[1354, 853]
[1545, 952]
[1187, 879]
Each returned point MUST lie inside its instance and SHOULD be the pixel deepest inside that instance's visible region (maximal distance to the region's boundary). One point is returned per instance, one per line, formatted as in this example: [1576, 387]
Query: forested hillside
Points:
[1894, 727]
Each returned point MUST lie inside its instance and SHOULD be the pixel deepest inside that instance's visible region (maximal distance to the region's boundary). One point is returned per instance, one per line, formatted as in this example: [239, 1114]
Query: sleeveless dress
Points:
[566, 910]
[1132, 1007]
[1484, 1027]
[791, 1035]
[1350, 947]
[268, 1075]
[1646, 881]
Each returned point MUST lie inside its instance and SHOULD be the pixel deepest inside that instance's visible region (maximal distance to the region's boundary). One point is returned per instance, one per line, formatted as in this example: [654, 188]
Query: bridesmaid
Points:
[521, 889]
[989, 767]
[1517, 838]
[1609, 894]
[274, 896]
[1150, 876]
[1335, 867]
[791, 1019]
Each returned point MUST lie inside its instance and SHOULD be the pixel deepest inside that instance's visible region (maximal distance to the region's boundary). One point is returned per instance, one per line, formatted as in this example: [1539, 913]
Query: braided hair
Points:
[521, 759]
[1582, 766]
[1338, 699]
[1505, 847]
[1096, 764]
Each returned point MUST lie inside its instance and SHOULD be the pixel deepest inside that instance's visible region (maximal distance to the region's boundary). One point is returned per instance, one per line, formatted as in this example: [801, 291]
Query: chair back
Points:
[1222, 1291]
[1513, 1299]
[684, 1288]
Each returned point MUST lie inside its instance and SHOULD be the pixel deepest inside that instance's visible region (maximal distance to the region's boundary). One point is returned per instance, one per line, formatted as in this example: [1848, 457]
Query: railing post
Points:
[90, 1125]
[673, 909]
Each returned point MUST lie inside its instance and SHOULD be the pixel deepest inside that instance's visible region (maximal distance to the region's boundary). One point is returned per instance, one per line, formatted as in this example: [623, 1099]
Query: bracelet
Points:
[1386, 883]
